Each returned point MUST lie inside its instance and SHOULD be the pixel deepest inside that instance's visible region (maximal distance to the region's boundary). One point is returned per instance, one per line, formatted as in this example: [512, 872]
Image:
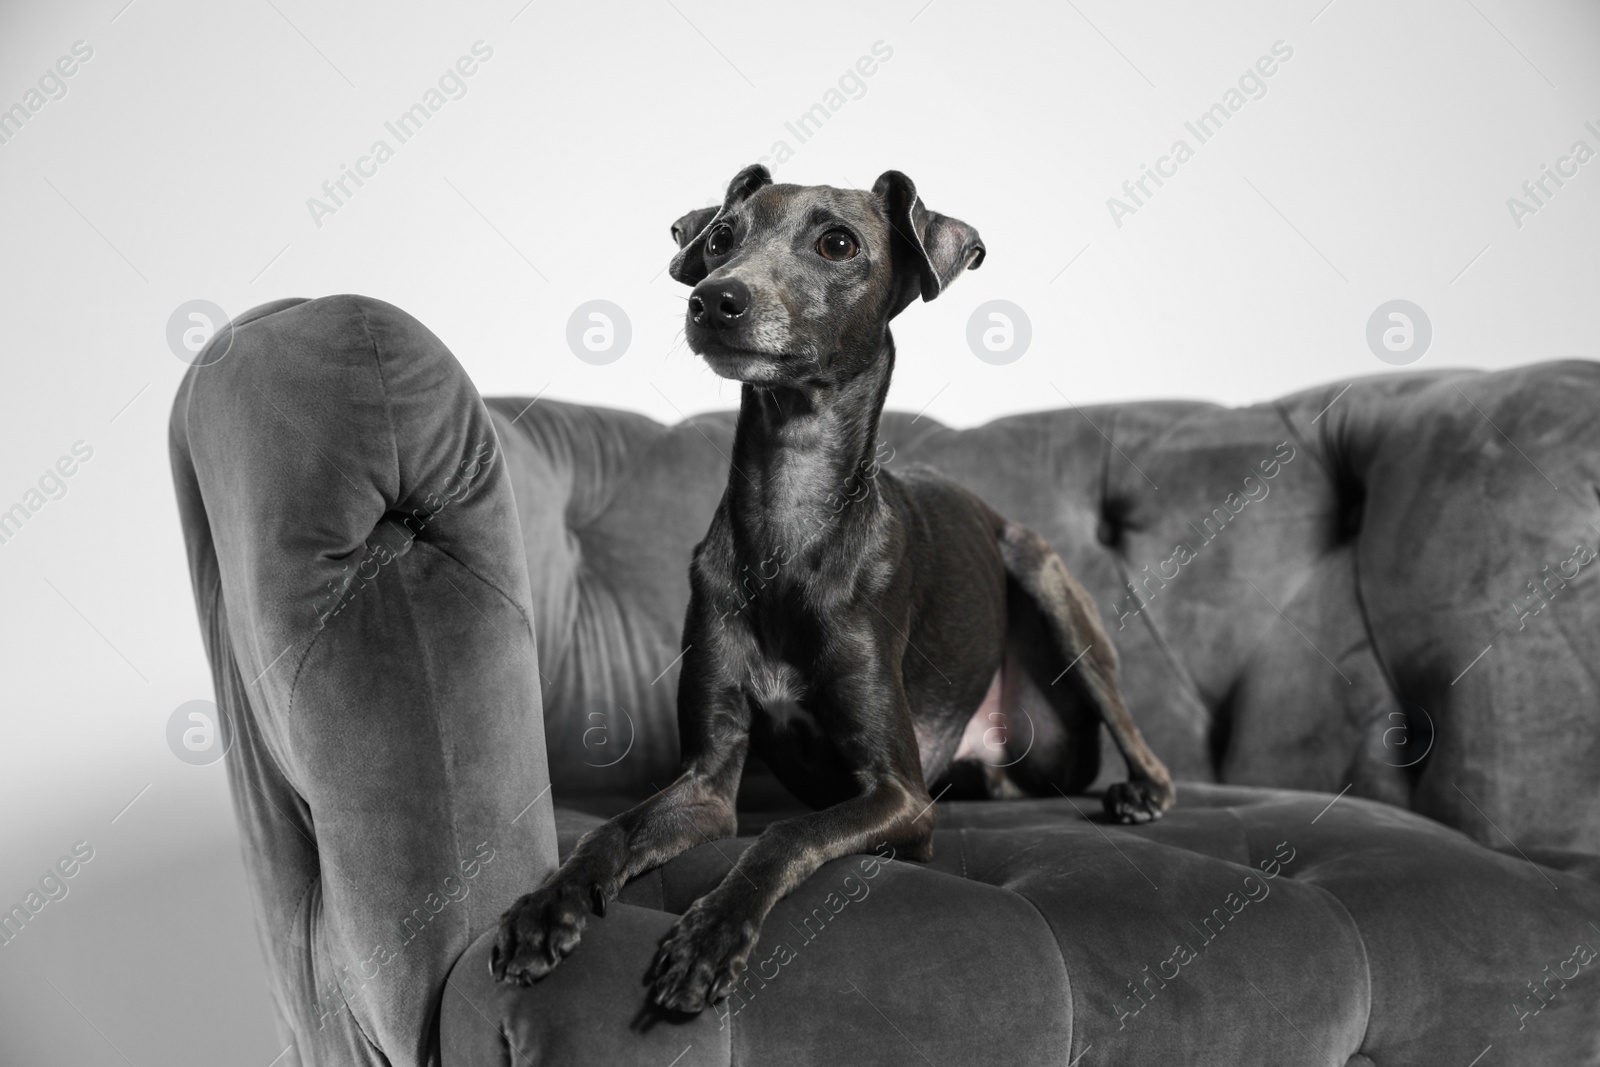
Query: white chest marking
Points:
[779, 690]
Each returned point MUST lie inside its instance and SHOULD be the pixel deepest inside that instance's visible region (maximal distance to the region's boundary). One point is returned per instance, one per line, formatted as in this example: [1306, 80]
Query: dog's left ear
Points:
[935, 247]
[689, 265]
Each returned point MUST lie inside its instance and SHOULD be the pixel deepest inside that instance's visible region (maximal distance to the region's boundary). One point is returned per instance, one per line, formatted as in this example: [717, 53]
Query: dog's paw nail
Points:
[700, 961]
[1137, 801]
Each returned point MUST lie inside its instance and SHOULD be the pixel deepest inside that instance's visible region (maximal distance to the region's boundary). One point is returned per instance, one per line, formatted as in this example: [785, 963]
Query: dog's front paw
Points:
[541, 928]
[701, 958]
[1138, 800]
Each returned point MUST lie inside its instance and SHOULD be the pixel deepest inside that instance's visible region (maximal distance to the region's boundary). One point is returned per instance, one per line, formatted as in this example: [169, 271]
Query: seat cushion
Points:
[1249, 926]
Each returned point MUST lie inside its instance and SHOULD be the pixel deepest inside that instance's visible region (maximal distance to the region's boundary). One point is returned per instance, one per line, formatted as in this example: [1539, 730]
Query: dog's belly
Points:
[986, 734]
[800, 753]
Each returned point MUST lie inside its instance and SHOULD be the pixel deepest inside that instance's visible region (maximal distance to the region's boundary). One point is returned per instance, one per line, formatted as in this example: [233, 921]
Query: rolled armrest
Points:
[363, 596]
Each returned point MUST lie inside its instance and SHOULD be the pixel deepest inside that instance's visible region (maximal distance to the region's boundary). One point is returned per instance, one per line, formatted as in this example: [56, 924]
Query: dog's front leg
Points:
[713, 724]
[707, 950]
[544, 926]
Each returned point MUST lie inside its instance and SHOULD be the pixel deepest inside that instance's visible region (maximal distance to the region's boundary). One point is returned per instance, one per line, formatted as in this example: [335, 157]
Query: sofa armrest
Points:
[364, 601]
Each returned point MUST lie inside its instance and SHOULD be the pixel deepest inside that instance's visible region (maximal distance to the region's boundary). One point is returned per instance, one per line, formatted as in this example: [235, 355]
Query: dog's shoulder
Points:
[924, 481]
[926, 497]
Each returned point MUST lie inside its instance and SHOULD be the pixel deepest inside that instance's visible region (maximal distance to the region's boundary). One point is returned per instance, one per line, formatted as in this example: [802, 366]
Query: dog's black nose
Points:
[719, 303]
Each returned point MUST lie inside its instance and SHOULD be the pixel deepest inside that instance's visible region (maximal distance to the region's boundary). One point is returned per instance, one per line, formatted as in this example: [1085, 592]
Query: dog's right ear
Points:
[689, 265]
[688, 228]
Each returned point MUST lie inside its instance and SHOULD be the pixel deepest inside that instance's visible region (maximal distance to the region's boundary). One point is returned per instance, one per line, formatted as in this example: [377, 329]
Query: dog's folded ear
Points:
[689, 265]
[688, 228]
[935, 247]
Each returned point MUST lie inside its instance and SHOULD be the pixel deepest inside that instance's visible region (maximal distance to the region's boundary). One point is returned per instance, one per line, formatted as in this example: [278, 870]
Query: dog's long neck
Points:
[805, 459]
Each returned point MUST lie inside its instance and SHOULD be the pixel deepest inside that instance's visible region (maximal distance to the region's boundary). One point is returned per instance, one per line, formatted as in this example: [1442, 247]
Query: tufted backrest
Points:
[1382, 584]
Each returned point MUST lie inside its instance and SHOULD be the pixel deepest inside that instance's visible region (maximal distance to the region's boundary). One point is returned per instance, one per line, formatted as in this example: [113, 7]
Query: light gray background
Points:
[178, 166]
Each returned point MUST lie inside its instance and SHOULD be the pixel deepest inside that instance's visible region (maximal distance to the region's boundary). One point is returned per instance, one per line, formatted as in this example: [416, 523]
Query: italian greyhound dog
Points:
[899, 625]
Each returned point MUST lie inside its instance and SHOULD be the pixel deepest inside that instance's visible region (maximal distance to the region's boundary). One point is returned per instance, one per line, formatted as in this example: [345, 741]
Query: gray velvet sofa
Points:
[1357, 623]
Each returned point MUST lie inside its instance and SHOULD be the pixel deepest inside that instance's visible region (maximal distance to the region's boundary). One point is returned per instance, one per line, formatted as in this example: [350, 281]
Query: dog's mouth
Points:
[739, 364]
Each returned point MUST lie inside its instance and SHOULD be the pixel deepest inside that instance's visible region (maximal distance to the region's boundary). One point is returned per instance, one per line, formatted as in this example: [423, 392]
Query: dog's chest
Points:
[780, 693]
[779, 690]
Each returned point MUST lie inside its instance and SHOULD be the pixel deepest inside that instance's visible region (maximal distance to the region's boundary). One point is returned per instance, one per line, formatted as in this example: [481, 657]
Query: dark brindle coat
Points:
[857, 629]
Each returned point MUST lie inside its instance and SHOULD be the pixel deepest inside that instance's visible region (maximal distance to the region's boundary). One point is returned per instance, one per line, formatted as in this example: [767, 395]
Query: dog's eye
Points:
[719, 240]
[837, 245]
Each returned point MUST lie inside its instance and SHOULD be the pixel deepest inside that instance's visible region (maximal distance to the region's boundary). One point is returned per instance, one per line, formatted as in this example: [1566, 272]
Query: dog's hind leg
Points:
[1072, 625]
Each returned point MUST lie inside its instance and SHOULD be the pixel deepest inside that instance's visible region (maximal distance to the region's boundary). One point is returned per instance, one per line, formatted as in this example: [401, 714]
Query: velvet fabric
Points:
[1247, 927]
[1330, 592]
[353, 547]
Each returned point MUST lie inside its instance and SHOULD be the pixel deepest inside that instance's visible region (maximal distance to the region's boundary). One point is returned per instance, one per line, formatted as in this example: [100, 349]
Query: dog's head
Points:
[798, 283]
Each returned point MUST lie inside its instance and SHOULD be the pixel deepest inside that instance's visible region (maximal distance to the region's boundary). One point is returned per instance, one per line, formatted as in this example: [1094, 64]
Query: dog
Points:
[896, 621]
